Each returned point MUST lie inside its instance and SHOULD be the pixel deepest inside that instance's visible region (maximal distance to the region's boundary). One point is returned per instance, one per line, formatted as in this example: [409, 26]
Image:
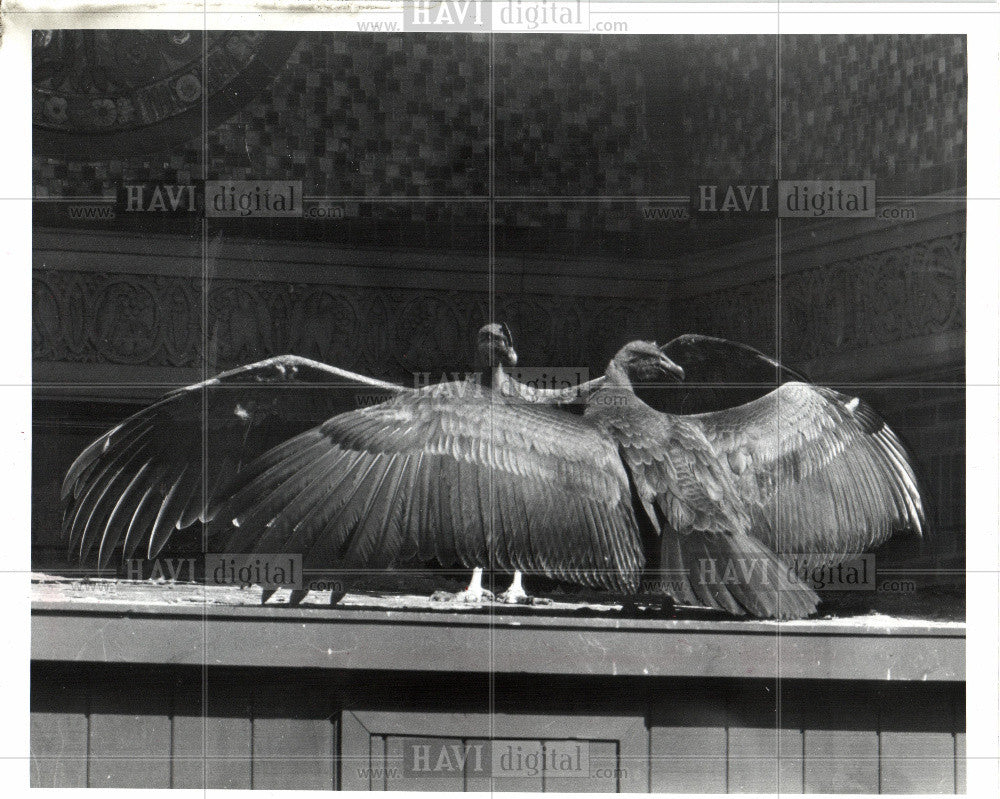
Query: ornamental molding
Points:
[122, 311]
[101, 318]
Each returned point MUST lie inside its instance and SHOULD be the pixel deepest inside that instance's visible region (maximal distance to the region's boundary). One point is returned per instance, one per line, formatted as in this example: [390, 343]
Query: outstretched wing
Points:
[706, 554]
[820, 472]
[160, 469]
[708, 359]
[453, 474]
[718, 374]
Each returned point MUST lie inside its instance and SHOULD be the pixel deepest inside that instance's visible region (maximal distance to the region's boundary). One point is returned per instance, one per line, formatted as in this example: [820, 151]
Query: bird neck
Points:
[498, 377]
[614, 397]
[490, 375]
[617, 376]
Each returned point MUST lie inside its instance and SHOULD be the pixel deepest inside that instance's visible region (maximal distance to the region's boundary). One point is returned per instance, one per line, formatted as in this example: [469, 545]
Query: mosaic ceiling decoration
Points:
[127, 92]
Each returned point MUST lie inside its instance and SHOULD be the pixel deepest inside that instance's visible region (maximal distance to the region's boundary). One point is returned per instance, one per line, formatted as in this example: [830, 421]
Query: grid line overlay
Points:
[205, 275]
[489, 201]
[778, 357]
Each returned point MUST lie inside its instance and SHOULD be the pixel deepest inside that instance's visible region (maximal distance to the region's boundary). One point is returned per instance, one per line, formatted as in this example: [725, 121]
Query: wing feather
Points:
[166, 517]
[146, 511]
[824, 475]
[311, 512]
[387, 526]
[350, 499]
[333, 467]
[465, 479]
[79, 512]
[117, 523]
[489, 509]
[297, 496]
[232, 419]
[113, 478]
[267, 492]
[409, 525]
[364, 506]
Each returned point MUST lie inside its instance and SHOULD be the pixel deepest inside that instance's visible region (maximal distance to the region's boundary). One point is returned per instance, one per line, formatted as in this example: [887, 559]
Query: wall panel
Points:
[59, 735]
[212, 737]
[704, 736]
[689, 742]
[917, 742]
[130, 737]
[841, 741]
[294, 735]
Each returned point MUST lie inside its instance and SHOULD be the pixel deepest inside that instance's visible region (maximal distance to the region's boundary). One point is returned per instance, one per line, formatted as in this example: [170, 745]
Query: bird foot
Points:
[295, 597]
[515, 596]
[469, 595]
[473, 594]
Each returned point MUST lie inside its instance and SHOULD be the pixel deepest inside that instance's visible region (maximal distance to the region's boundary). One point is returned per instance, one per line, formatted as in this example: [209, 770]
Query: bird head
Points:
[495, 345]
[643, 362]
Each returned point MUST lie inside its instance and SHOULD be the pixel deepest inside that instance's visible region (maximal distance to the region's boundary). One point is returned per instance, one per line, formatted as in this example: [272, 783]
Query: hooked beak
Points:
[671, 368]
[512, 355]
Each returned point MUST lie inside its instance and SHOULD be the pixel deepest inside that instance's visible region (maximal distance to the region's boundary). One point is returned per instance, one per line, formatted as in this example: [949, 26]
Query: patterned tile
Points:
[365, 115]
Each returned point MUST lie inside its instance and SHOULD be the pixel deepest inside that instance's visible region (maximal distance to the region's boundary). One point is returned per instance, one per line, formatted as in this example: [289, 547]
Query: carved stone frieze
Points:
[908, 292]
[155, 320]
[890, 296]
[911, 291]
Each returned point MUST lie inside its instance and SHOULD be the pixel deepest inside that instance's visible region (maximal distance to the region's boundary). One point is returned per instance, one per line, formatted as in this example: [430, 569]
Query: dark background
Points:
[399, 129]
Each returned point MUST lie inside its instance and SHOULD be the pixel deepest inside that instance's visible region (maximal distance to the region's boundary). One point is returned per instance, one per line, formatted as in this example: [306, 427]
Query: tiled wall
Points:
[362, 115]
[884, 107]
[570, 116]
[365, 115]
[892, 108]
[713, 106]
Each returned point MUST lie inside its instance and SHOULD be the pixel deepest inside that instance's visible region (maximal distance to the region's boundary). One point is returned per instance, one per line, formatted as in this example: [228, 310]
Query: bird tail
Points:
[733, 573]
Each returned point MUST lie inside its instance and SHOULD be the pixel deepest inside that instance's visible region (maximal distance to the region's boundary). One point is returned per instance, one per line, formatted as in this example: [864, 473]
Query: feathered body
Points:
[461, 473]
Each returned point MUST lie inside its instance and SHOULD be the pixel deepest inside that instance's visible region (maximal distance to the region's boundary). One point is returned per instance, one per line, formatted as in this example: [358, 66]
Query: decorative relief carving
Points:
[881, 298]
[182, 336]
[744, 313]
[93, 80]
[327, 321]
[238, 323]
[428, 331]
[46, 320]
[86, 81]
[126, 321]
[154, 320]
[884, 297]
[552, 330]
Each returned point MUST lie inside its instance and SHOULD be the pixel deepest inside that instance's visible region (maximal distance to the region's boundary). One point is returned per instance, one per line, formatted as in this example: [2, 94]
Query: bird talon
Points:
[467, 596]
[473, 596]
[516, 597]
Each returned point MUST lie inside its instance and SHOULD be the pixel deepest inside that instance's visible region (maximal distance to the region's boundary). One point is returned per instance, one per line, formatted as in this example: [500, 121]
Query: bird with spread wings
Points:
[461, 473]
